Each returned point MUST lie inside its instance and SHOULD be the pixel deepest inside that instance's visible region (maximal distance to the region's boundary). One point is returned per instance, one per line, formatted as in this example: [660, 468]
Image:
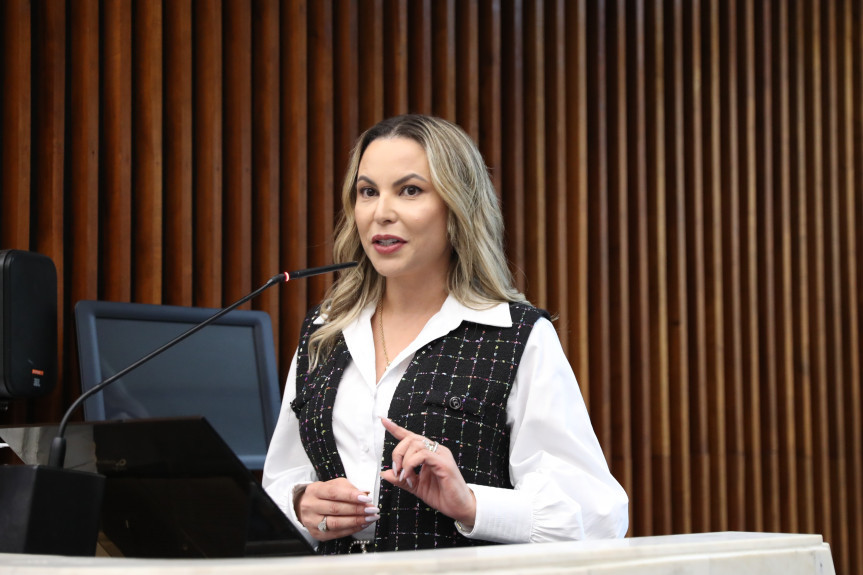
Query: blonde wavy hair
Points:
[478, 275]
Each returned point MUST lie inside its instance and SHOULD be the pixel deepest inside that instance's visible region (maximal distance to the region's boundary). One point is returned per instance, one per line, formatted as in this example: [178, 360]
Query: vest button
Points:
[455, 402]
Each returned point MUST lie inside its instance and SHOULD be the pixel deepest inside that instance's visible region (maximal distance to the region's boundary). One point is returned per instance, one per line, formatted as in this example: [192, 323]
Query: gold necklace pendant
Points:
[381, 324]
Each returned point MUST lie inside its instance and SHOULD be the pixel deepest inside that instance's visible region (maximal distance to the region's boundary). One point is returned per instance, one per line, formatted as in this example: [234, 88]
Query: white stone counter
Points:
[728, 553]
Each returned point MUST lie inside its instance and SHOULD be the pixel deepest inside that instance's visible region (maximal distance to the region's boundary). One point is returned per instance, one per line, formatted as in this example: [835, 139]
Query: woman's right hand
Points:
[336, 506]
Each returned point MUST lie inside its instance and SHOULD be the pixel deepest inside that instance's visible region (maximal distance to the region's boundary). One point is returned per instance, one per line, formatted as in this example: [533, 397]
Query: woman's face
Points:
[400, 217]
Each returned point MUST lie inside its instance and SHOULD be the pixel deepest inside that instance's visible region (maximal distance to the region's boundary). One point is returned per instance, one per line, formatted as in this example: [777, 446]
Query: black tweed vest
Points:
[454, 391]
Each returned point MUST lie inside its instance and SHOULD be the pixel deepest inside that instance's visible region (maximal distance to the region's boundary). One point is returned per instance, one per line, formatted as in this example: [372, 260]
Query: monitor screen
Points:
[225, 372]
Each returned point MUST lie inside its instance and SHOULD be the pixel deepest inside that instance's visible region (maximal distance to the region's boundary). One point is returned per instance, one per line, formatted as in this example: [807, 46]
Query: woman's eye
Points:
[366, 192]
[411, 191]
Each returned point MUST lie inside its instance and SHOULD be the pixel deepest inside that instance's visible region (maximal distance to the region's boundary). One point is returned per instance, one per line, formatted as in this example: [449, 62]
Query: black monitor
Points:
[226, 372]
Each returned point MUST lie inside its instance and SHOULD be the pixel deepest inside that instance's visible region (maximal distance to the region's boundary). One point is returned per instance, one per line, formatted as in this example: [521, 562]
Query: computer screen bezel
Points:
[89, 312]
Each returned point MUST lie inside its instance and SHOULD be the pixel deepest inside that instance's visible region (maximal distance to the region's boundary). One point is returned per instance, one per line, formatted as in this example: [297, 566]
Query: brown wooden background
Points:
[682, 182]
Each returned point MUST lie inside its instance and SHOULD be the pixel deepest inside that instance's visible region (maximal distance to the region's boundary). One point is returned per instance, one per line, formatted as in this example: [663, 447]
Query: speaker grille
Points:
[28, 324]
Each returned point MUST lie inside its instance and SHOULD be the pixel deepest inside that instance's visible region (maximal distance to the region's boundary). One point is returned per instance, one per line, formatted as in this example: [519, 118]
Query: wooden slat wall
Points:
[682, 182]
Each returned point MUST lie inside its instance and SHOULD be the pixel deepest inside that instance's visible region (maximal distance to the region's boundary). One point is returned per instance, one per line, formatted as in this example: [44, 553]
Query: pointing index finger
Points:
[396, 430]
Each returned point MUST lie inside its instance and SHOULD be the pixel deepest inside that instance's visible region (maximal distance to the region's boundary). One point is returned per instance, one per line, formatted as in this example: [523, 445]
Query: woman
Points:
[429, 405]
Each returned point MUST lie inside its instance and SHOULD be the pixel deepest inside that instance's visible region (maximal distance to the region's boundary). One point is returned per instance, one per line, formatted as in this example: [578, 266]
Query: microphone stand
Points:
[57, 454]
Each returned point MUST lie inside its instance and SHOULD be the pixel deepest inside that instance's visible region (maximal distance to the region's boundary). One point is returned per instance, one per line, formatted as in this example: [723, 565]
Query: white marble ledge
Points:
[725, 553]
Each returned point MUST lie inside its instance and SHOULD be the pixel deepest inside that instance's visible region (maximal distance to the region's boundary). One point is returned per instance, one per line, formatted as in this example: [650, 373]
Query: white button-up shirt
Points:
[562, 485]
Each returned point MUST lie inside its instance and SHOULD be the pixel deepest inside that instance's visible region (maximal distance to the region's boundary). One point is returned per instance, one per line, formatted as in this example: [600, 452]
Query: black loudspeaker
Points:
[28, 324]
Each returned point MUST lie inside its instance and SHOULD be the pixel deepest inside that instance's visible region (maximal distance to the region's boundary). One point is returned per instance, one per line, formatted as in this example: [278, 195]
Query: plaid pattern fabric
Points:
[455, 392]
[316, 395]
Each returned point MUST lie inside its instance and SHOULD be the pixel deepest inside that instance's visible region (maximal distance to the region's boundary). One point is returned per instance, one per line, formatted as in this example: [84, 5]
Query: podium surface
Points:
[726, 553]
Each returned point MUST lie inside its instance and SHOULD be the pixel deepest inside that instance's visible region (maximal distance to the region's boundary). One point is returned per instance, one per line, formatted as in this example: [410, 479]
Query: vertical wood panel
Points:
[512, 108]
[443, 60]
[15, 81]
[672, 170]
[754, 161]
[762, 466]
[352, 115]
[370, 63]
[800, 271]
[849, 224]
[237, 191]
[490, 106]
[420, 56]
[84, 155]
[714, 314]
[731, 418]
[534, 154]
[467, 72]
[115, 180]
[687, 33]
[641, 510]
[556, 183]
[640, 435]
[397, 72]
[598, 265]
[207, 177]
[178, 154]
[147, 150]
[856, 405]
[321, 189]
[785, 370]
[265, 158]
[577, 191]
[83, 162]
[618, 218]
[293, 132]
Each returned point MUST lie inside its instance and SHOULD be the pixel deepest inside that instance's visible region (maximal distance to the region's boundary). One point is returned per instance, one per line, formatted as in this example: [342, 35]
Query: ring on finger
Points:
[322, 526]
[430, 445]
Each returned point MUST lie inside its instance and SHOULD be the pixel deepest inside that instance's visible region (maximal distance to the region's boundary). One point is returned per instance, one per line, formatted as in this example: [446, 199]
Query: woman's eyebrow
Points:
[398, 182]
[404, 179]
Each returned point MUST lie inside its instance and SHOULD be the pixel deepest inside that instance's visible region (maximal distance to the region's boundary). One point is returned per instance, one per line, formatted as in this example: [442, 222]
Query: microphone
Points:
[57, 453]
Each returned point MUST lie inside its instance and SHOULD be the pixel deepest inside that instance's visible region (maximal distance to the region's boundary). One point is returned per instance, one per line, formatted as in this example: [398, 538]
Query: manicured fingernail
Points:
[372, 518]
[364, 499]
[371, 510]
[395, 468]
[410, 483]
[402, 475]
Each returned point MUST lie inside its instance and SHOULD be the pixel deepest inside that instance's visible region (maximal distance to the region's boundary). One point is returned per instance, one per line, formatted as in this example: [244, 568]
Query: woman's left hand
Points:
[439, 484]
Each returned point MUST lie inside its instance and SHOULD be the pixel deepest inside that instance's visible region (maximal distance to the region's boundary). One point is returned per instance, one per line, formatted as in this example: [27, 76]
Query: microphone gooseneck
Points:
[57, 454]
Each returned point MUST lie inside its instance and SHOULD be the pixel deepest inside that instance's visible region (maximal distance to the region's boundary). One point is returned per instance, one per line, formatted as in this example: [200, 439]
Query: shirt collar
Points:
[492, 314]
[452, 313]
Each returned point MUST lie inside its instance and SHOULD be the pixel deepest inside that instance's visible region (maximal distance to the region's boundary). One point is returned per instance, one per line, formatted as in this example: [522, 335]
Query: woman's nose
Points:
[385, 208]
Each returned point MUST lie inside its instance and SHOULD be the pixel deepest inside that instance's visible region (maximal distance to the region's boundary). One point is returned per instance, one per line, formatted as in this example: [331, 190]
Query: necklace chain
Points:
[381, 324]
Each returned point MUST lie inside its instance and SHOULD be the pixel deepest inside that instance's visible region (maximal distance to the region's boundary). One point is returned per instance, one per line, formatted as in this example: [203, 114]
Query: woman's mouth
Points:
[387, 244]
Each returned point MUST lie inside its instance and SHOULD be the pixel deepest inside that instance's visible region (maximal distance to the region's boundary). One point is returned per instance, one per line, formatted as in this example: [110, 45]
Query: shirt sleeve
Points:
[287, 468]
[563, 488]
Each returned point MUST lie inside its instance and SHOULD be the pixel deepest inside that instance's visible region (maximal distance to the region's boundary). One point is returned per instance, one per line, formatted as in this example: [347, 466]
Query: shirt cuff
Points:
[502, 515]
[289, 510]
